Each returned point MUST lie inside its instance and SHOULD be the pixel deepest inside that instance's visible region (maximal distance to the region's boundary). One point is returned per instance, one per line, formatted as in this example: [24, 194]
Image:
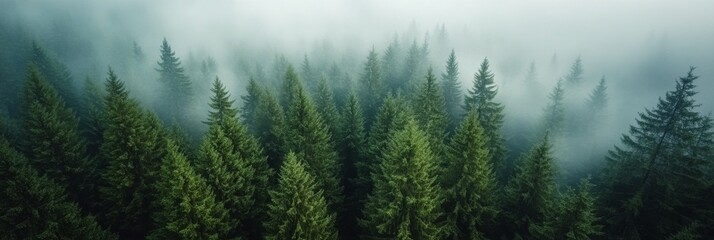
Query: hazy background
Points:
[641, 47]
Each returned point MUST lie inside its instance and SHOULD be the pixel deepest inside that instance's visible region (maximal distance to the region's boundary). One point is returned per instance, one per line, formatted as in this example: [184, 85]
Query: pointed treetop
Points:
[221, 103]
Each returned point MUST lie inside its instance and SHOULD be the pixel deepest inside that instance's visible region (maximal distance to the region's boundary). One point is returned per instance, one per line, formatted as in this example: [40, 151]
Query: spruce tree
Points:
[371, 88]
[177, 88]
[298, 209]
[251, 102]
[133, 149]
[470, 182]
[596, 104]
[391, 66]
[529, 195]
[53, 142]
[481, 98]
[654, 181]
[432, 115]
[35, 207]
[221, 103]
[92, 121]
[309, 75]
[554, 112]
[188, 208]
[411, 69]
[309, 138]
[271, 128]
[575, 216]
[575, 76]
[352, 144]
[452, 91]
[325, 103]
[406, 200]
[290, 85]
[55, 73]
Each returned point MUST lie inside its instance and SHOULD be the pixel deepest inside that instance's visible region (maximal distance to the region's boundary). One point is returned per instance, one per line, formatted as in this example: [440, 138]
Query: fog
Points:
[640, 47]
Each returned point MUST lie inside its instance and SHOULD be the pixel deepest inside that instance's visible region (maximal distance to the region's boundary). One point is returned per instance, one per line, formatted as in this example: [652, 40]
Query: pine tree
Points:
[309, 75]
[481, 98]
[575, 217]
[250, 105]
[391, 66]
[575, 76]
[529, 195]
[597, 103]
[92, 122]
[391, 118]
[291, 84]
[654, 182]
[452, 91]
[554, 113]
[309, 138]
[432, 115]
[53, 143]
[188, 208]
[271, 128]
[221, 104]
[406, 200]
[342, 84]
[325, 104]
[411, 69]
[35, 207]
[176, 85]
[470, 182]
[371, 89]
[133, 149]
[298, 209]
[352, 144]
[55, 73]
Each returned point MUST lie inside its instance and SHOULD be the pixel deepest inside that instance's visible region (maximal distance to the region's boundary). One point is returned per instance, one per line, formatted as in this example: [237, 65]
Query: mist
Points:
[640, 48]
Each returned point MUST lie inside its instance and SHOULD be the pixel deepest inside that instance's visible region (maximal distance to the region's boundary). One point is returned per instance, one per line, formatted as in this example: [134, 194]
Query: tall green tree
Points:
[251, 102]
[406, 200]
[92, 121]
[655, 181]
[371, 91]
[574, 217]
[391, 63]
[271, 128]
[55, 73]
[291, 85]
[452, 91]
[596, 103]
[575, 76]
[411, 69]
[221, 104]
[308, 136]
[53, 143]
[352, 143]
[325, 103]
[481, 98]
[177, 88]
[432, 115]
[310, 75]
[298, 209]
[133, 148]
[35, 207]
[529, 196]
[188, 208]
[554, 112]
[470, 182]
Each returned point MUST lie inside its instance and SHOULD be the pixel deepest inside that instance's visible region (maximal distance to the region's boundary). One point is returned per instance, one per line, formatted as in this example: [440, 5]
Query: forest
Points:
[116, 123]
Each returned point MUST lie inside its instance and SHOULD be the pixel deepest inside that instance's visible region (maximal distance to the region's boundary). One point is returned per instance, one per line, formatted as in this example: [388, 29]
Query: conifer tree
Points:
[92, 122]
[298, 209]
[309, 138]
[432, 115]
[371, 87]
[391, 66]
[35, 207]
[575, 76]
[529, 195]
[452, 91]
[470, 182]
[342, 86]
[271, 128]
[575, 216]
[250, 105]
[309, 75]
[352, 144]
[596, 103]
[406, 200]
[411, 69]
[325, 104]
[554, 113]
[481, 98]
[55, 73]
[291, 84]
[176, 85]
[133, 149]
[188, 208]
[654, 181]
[53, 142]
[221, 103]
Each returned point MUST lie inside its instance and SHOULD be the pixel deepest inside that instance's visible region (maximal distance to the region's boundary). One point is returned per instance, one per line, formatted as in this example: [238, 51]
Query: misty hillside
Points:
[356, 119]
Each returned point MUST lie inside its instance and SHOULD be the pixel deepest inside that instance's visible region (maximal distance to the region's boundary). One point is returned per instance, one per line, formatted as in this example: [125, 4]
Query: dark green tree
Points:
[371, 90]
[309, 138]
[554, 113]
[291, 85]
[391, 63]
[221, 104]
[596, 103]
[53, 143]
[35, 207]
[470, 182]
[352, 143]
[432, 115]
[92, 121]
[177, 88]
[575, 76]
[574, 217]
[310, 75]
[133, 148]
[188, 208]
[481, 98]
[298, 209]
[55, 73]
[325, 103]
[271, 128]
[529, 195]
[251, 102]
[452, 91]
[406, 200]
[655, 182]
[411, 69]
